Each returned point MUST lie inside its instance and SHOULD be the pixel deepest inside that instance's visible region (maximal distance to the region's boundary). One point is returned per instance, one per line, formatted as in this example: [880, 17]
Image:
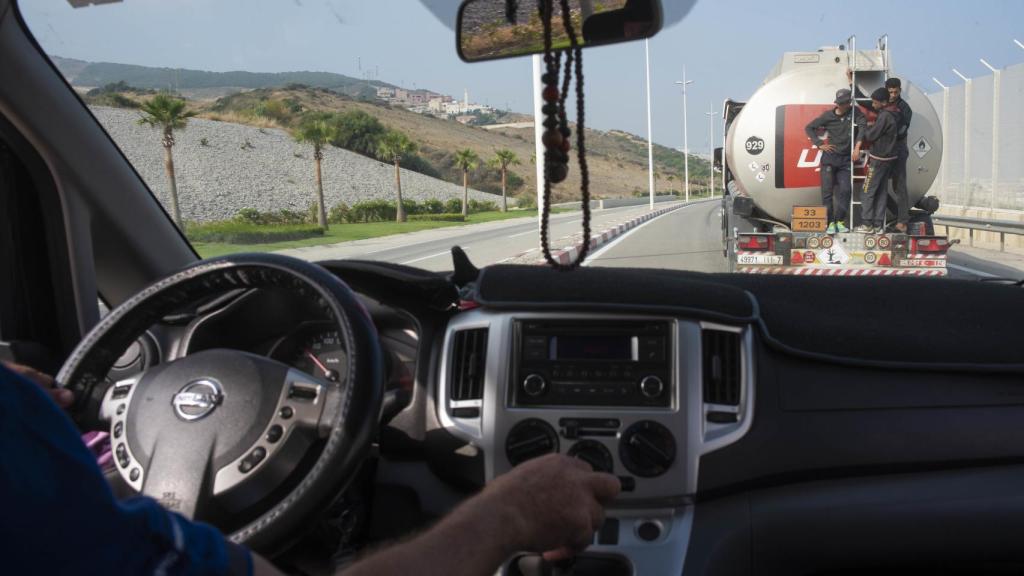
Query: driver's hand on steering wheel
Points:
[555, 504]
[62, 396]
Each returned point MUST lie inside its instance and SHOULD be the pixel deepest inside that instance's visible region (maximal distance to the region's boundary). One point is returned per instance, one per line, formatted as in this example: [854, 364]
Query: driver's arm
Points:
[552, 504]
[60, 516]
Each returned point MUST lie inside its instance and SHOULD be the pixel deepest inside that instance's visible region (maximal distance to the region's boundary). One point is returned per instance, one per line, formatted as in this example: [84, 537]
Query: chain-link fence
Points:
[975, 115]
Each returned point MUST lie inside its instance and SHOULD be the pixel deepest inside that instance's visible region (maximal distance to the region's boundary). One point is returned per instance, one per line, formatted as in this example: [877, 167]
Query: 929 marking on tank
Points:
[754, 145]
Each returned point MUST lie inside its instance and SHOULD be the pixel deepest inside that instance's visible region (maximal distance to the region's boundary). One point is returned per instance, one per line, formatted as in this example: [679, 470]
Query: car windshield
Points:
[719, 145]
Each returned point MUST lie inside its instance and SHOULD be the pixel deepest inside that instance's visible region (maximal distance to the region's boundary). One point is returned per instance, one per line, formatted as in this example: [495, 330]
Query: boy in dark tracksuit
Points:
[881, 136]
[835, 162]
[899, 171]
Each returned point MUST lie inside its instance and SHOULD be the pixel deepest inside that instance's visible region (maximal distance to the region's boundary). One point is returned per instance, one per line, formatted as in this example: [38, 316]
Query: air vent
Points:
[721, 358]
[469, 358]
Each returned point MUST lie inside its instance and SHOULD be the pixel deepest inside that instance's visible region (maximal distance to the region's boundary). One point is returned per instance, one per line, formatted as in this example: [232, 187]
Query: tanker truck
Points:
[772, 218]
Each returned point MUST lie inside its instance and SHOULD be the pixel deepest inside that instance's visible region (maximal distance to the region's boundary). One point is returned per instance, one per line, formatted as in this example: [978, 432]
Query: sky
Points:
[726, 46]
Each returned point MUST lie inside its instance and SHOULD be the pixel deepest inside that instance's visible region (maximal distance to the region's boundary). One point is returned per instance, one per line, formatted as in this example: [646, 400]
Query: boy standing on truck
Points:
[881, 136]
[899, 172]
[835, 164]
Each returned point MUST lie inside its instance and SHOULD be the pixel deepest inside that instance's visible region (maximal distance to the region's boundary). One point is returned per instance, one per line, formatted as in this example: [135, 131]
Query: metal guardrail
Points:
[1001, 227]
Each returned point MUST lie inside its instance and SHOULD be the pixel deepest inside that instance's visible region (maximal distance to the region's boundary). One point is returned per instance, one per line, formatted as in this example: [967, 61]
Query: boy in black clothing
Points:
[881, 136]
[835, 162]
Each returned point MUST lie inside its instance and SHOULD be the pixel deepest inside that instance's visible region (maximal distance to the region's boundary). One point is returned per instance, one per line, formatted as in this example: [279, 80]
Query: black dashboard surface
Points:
[919, 323]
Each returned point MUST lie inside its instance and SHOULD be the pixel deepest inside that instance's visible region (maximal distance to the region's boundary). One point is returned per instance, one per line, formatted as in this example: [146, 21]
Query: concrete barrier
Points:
[988, 240]
[616, 202]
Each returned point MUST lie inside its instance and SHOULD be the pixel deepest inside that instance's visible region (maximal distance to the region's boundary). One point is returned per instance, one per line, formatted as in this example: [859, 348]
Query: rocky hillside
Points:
[223, 167]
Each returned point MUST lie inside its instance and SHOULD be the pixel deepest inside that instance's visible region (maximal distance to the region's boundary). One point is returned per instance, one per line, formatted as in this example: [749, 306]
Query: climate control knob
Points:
[651, 386]
[530, 439]
[535, 385]
[647, 449]
[594, 453]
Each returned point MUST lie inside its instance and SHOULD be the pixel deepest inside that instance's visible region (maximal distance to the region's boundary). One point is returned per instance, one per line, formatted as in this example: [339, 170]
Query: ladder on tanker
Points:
[882, 45]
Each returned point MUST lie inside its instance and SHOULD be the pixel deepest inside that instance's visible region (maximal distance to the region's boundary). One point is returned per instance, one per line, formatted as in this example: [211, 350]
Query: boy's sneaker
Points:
[831, 228]
[840, 227]
[865, 229]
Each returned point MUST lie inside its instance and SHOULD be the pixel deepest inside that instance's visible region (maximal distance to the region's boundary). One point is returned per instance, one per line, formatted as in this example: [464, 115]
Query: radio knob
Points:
[534, 385]
[651, 386]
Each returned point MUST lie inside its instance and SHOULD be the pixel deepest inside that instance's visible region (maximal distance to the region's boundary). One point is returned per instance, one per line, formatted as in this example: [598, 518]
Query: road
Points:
[486, 243]
[688, 239]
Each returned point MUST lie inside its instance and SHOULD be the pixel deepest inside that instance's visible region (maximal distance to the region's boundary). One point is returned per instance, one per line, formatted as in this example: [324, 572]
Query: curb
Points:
[567, 255]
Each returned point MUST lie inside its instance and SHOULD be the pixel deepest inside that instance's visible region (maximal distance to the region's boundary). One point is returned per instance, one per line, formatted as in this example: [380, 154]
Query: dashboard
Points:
[738, 439]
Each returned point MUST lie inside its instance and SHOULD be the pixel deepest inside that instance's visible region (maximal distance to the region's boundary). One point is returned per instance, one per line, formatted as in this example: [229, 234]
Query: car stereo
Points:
[592, 363]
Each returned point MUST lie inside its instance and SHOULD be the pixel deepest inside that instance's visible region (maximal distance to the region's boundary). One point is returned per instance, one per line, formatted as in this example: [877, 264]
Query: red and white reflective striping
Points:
[821, 271]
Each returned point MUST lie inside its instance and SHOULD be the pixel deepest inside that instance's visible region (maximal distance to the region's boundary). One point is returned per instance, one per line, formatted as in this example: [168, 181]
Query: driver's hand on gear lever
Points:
[555, 504]
[62, 396]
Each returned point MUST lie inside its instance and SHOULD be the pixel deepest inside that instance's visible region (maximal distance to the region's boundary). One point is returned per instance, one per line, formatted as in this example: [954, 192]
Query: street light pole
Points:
[538, 143]
[711, 148]
[944, 175]
[996, 86]
[686, 141]
[966, 178]
[650, 137]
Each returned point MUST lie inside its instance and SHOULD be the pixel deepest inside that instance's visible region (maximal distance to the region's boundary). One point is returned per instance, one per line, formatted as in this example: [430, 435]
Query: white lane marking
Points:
[614, 242]
[429, 257]
[971, 270]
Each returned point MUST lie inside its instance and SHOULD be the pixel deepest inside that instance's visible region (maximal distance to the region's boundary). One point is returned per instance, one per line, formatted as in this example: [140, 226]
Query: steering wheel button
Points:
[257, 455]
[275, 433]
[118, 429]
[120, 409]
[245, 465]
[134, 474]
[286, 412]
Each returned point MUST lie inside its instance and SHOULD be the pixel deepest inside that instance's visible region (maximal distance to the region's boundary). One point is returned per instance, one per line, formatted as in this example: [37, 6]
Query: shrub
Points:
[433, 206]
[339, 213]
[254, 217]
[235, 232]
[482, 206]
[437, 217]
[452, 206]
[204, 142]
[527, 201]
[373, 211]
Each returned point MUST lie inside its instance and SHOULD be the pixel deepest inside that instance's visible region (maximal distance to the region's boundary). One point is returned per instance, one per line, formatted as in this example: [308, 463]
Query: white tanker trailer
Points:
[772, 214]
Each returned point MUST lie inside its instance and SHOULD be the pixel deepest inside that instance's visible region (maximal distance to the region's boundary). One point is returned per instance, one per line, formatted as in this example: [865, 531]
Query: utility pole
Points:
[650, 140]
[996, 84]
[686, 141]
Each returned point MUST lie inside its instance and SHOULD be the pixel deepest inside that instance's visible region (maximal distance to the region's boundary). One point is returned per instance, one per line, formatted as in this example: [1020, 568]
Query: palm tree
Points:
[317, 129]
[466, 160]
[502, 160]
[169, 114]
[394, 146]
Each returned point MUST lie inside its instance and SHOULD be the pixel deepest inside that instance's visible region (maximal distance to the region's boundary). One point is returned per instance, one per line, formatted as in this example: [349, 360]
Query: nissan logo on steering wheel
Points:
[197, 399]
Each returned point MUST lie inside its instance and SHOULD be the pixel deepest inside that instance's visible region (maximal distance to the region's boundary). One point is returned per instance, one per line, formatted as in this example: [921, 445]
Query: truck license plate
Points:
[921, 263]
[774, 259]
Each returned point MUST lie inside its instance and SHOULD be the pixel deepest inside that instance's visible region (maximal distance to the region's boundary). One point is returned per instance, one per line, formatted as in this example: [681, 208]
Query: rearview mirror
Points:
[491, 29]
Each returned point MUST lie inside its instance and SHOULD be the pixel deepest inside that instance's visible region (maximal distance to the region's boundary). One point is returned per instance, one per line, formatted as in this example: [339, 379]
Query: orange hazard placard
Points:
[810, 212]
[809, 225]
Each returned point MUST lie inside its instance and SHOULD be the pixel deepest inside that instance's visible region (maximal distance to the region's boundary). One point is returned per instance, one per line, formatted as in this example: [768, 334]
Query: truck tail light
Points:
[929, 245]
[757, 242]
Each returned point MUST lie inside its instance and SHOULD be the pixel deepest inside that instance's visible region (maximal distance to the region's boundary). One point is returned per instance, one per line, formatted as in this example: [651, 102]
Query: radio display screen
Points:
[590, 347]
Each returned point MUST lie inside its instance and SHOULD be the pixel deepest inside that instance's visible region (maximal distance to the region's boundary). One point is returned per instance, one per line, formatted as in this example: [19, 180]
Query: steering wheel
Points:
[217, 434]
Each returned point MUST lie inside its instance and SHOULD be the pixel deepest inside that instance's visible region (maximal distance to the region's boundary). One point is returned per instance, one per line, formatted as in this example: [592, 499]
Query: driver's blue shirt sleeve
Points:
[60, 515]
